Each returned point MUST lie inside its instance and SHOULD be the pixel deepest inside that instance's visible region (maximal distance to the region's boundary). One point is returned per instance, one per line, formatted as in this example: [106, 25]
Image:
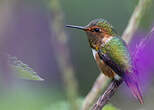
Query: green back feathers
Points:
[117, 50]
[103, 24]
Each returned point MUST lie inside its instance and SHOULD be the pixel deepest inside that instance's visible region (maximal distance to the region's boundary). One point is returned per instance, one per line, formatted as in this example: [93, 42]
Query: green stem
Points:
[59, 41]
[135, 19]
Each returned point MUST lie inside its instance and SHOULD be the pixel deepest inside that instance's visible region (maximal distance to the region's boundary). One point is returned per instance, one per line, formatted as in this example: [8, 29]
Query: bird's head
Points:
[97, 30]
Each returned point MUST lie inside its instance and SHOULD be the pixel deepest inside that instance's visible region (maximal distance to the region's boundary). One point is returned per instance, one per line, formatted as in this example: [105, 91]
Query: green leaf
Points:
[109, 107]
[22, 70]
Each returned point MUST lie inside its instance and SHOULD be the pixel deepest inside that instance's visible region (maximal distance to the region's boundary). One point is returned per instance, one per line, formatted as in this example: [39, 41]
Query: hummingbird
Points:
[111, 53]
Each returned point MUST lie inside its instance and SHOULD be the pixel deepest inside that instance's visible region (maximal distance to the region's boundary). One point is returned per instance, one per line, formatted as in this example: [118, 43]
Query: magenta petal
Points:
[144, 59]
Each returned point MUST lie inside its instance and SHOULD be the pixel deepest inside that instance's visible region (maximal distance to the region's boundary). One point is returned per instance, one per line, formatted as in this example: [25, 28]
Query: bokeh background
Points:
[25, 32]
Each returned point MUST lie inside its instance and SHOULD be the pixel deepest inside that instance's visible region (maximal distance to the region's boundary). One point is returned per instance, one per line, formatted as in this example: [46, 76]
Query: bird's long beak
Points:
[77, 27]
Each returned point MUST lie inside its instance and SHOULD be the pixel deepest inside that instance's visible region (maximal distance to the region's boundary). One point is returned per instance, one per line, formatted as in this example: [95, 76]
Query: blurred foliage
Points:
[23, 98]
[109, 107]
[22, 70]
[64, 105]
[147, 20]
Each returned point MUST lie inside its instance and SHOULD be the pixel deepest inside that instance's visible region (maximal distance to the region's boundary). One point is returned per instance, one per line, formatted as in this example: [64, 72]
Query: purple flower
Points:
[142, 50]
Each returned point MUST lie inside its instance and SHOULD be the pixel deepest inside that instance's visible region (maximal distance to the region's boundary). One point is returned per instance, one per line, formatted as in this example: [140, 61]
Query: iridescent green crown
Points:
[103, 24]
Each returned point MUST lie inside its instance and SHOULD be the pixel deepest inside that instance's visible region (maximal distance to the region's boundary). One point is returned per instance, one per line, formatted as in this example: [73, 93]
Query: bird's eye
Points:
[97, 30]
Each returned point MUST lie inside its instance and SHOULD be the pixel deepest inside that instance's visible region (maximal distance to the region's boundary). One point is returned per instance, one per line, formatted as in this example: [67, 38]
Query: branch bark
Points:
[131, 28]
[107, 95]
[98, 87]
[135, 19]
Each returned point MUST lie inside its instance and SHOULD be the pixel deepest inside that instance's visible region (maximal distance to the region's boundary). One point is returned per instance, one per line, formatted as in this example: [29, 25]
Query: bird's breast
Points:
[105, 69]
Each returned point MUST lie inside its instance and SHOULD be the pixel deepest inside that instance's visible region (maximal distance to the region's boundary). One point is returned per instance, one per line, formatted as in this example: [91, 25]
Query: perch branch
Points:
[96, 91]
[127, 36]
[135, 19]
[107, 95]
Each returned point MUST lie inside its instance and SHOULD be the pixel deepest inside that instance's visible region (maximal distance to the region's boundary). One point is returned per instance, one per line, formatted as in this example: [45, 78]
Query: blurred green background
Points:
[25, 33]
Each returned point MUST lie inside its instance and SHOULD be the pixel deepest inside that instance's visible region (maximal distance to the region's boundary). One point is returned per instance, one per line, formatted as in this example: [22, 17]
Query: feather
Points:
[134, 87]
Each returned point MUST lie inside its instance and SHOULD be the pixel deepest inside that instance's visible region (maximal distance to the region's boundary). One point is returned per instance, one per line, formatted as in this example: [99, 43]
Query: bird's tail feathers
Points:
[135, 88]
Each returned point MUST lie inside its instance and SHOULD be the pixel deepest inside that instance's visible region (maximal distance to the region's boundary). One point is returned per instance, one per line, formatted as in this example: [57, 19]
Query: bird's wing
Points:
[116, 55]
[108, 61]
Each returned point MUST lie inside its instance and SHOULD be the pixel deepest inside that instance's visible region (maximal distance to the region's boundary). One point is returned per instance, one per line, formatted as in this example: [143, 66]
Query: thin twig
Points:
[59, 42]
[107, 95]
[127, 36]
[96, 90]
[135, 19]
